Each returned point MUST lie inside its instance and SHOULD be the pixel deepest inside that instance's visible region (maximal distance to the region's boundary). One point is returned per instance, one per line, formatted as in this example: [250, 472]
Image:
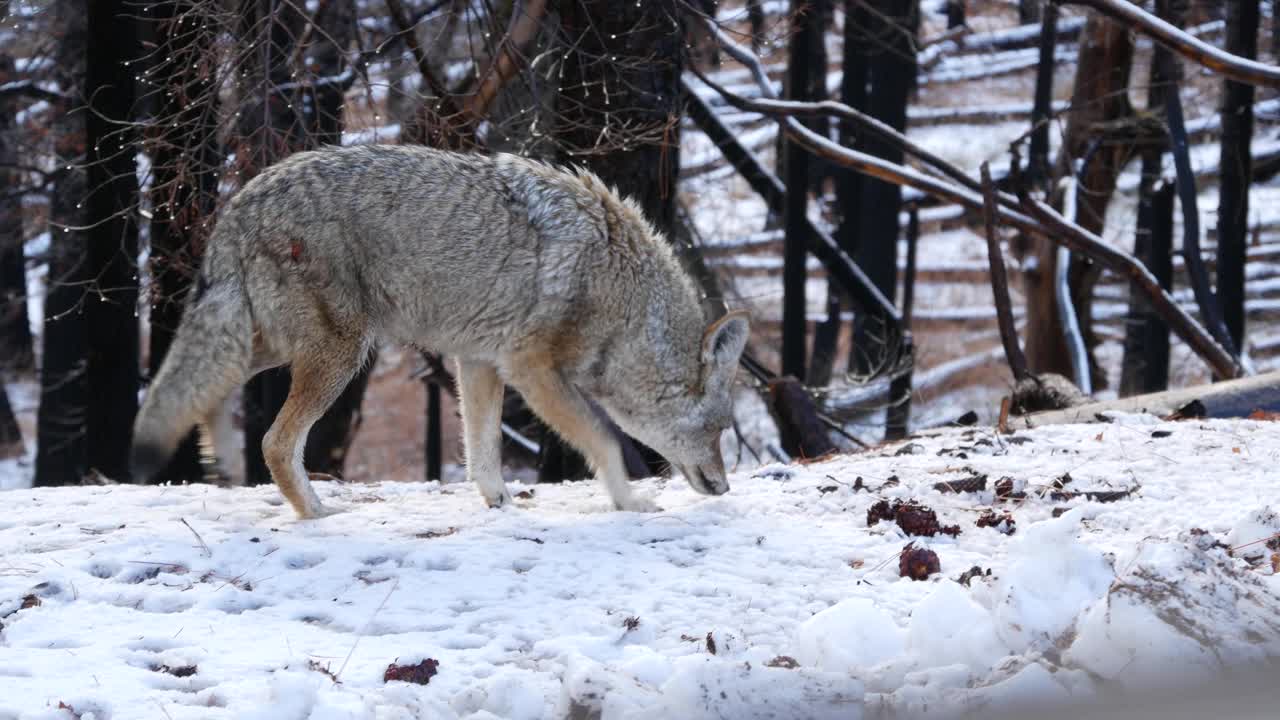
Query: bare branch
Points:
[526, 18]
[1043, 220]
[1198, 51]
[27, 88]
[1000, 282]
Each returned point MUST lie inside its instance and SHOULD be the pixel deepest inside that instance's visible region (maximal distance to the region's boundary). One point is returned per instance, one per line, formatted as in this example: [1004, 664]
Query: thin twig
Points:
[395, 584]
[207, 552]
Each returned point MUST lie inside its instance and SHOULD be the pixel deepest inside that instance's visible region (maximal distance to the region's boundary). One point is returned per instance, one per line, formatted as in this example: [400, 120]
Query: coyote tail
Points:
[210, 356]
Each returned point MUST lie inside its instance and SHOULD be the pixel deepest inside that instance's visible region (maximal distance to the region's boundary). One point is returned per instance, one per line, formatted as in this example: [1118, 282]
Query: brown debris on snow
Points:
[1006, 489]
[783, 661]
[967, 576]
[912, 517]
[1191, 411]
[918, 563]
[1001, 522]
[419, 674]
[973, 483]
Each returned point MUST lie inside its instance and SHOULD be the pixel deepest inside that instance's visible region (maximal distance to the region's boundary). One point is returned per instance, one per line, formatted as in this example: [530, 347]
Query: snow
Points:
[560, 608]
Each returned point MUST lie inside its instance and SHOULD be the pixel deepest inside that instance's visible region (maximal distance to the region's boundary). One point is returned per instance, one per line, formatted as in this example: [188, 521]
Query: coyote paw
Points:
[319, 511]
[502, 499]
[638, 504]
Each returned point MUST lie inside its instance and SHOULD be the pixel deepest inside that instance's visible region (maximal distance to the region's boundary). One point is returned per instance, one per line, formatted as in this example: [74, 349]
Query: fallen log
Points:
[1229, 399]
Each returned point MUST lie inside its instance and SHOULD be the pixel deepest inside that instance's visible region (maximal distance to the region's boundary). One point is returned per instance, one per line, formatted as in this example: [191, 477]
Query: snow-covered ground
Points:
[776, 600]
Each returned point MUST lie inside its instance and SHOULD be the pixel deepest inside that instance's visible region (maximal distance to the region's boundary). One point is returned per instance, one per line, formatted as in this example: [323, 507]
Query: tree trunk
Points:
[1042, 108]
[891, 71]
[1094, 134]
[630, 136]
[111, 312]
[15, 325]
[1029, 11]
[1145, 367]
[10, 434]
[1236, 165]
[60, 419]
[185, 160]
[806, 33]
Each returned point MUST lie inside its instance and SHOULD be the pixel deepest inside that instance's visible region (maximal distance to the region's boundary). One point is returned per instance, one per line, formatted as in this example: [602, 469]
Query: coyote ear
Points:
[722, 344]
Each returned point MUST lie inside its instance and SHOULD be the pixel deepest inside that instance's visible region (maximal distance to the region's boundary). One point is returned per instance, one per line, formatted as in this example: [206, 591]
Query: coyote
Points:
[538, 277]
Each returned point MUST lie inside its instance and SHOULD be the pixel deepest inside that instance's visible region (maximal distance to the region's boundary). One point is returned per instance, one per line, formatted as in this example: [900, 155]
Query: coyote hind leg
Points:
[318, 379]
[480, 390]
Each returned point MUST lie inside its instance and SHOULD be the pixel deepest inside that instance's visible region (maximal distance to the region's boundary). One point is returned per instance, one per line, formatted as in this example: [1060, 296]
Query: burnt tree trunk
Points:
[1100, 112]
[1237, 170]
[1042, 108]
[806, 33]
[1145, 367]
[10, 434]
[111, 312]
[60, 437]
[185, 159]
[15, 325]
[637, 51]
[890, 38]
[1029, 11]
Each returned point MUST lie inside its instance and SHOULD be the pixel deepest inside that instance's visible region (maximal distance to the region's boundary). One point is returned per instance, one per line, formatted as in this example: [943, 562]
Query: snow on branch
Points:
[1220, 61]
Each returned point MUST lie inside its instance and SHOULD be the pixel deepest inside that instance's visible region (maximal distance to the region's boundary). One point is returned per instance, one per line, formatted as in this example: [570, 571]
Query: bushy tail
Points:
[210, 356]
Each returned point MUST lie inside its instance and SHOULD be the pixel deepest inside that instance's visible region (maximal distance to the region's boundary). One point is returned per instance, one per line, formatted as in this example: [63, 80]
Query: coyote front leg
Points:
[480, 390]
[564, 408]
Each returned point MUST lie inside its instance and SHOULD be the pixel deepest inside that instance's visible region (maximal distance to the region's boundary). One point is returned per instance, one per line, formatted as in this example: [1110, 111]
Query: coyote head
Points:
[683, 411]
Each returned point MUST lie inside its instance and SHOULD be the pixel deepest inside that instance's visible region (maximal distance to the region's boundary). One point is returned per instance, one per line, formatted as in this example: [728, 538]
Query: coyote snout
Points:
[531, 276]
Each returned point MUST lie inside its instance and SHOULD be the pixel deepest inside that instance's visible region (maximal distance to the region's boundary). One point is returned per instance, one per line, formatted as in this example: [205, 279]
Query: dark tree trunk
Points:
[1042, 109]
[111, 312]
[15, 326]
[185, 160]
[1236, 164]
[755, 16]
[1099, 100]
[637, 51]
[955, 13]
[806, 33]
[891, 71]
[60, 420]
[820, 363]
[10, 433]
[1029, 11]
[1145, 367]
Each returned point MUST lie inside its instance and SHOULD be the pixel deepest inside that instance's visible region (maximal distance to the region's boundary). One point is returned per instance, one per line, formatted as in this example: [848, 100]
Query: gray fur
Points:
[530, 275]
